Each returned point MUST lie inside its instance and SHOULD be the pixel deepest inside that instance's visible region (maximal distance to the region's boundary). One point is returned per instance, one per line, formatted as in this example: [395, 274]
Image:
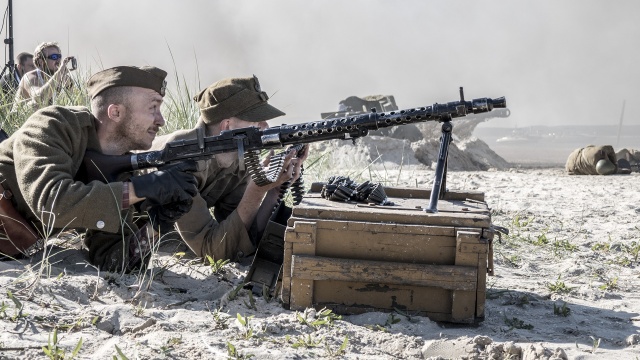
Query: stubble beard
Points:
[126, 137]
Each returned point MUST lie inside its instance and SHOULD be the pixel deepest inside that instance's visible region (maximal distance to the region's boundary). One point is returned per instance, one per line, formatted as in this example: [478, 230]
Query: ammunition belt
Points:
[341, 188]
[264, 177]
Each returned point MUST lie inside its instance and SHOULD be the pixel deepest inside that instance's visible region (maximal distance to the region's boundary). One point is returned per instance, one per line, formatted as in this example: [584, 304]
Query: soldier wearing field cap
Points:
[241, 209]
[43, 181]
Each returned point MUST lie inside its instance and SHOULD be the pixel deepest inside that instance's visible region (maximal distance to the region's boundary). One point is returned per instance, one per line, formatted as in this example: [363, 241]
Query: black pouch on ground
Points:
[266, 268]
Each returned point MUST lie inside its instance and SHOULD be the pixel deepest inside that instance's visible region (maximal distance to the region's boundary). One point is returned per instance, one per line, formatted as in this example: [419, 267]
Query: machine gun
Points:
[248, 142]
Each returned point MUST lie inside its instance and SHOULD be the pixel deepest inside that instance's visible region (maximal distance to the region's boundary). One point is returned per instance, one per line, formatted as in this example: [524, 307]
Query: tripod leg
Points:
[441, 167]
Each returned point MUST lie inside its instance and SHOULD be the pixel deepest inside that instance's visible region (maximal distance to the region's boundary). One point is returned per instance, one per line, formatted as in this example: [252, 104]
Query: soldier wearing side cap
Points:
[42, 179]
[241, 209]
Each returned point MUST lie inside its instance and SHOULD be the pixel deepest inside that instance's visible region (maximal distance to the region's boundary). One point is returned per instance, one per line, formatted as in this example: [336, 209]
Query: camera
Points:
[74, 64]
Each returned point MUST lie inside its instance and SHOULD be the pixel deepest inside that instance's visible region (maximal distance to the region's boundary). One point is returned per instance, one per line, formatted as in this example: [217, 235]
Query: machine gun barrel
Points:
[359, 125]
[250, 141]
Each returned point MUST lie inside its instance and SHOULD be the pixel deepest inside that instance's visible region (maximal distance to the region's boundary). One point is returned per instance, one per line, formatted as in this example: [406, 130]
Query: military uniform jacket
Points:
[222, 235]
[38, 164]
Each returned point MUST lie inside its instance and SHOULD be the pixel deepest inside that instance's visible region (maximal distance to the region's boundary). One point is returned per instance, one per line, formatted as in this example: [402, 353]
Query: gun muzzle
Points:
[500, 102]
[486, 104]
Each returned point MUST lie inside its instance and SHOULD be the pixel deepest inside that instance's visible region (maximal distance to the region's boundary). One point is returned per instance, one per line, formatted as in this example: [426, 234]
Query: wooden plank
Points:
[463, 303]
[405, 210]
[301, 293]
[397, 247]
[463, 306]
[381, 272]
[300, 231]
[302, 289]
[285, 296]
[375, 296]
[286, 262]
[482, 285]
[393, 228]
[417, 217]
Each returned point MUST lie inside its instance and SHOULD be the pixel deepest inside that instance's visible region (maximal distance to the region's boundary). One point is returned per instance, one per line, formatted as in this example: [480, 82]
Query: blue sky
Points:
[557, 62]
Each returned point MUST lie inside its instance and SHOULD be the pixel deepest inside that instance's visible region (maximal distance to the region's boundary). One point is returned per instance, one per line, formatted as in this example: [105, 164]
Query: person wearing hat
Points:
[42, 179]
[241, 209]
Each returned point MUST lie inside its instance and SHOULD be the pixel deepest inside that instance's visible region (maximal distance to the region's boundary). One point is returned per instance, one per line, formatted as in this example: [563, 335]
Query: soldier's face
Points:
[142, 119]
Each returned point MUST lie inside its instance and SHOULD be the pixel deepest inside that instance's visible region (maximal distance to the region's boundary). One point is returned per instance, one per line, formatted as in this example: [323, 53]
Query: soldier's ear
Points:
[225, 124]
[115, 112]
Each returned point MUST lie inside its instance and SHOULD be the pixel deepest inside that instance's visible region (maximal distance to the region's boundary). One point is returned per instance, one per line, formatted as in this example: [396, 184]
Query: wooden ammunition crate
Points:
[355, 257]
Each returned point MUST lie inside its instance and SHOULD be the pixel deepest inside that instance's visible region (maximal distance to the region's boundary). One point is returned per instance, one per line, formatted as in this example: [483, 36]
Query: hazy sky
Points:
[557, 62]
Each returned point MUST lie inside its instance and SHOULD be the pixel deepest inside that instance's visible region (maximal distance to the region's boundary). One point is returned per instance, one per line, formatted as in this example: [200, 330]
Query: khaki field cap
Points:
[146, 77]
[235, 97]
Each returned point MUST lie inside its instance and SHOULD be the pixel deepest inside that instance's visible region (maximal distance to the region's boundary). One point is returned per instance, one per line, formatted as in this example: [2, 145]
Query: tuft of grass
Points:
[559, 287]
[541, 239]
[610, 284]
[305, 342]
[391, 319]
[515, 323]
[561, 310]
[342, 350]
[521, 224]
[233, 353]
[216, 266]
[246, 330]
[324, 317]
[53, 350]
[120, 355]
[561, 246]
[220, 322]
[233, 294]
[252, 302]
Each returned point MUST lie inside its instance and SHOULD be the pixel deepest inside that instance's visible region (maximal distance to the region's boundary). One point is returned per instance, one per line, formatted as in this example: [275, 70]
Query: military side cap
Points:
[235, 97]
[145, 77]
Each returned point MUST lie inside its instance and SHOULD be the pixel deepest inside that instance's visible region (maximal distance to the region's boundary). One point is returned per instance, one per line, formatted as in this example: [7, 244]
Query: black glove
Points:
[162, 217]
[171, 183]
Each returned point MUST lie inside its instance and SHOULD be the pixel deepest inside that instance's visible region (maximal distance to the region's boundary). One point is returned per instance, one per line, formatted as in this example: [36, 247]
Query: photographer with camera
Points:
[39, 88]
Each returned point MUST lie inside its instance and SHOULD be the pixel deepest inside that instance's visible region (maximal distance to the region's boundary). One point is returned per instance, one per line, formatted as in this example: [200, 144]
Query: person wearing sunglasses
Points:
[39, 88]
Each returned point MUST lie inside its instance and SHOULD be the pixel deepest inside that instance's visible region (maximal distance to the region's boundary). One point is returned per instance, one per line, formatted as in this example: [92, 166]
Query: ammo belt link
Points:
[263, 178]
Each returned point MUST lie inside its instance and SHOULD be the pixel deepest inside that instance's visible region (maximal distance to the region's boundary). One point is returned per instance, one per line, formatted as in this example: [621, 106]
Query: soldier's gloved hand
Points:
[171, 183]
[162, 217]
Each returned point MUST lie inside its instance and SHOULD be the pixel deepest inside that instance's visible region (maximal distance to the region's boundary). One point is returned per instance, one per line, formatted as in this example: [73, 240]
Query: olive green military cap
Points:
[145, 77]
[235, 97]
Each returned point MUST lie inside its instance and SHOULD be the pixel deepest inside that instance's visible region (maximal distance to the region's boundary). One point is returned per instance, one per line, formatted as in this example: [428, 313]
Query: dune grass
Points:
[179, 109]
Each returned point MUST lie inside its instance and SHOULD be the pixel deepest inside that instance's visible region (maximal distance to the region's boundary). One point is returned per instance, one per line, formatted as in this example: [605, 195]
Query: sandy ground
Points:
[566, 285]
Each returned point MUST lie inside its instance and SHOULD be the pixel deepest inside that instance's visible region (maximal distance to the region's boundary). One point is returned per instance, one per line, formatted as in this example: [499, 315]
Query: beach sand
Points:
[566, 285]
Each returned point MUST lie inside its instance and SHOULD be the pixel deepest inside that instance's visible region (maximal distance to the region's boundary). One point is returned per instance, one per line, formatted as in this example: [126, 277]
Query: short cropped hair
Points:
[114, 95]
[23, 57]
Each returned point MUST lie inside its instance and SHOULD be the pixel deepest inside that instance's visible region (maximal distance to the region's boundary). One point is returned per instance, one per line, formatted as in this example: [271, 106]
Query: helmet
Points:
[605, 167]
[624, 167]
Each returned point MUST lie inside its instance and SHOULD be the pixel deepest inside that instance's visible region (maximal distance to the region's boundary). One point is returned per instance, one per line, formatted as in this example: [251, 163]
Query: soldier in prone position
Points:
[241, 209]
[41, 177]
